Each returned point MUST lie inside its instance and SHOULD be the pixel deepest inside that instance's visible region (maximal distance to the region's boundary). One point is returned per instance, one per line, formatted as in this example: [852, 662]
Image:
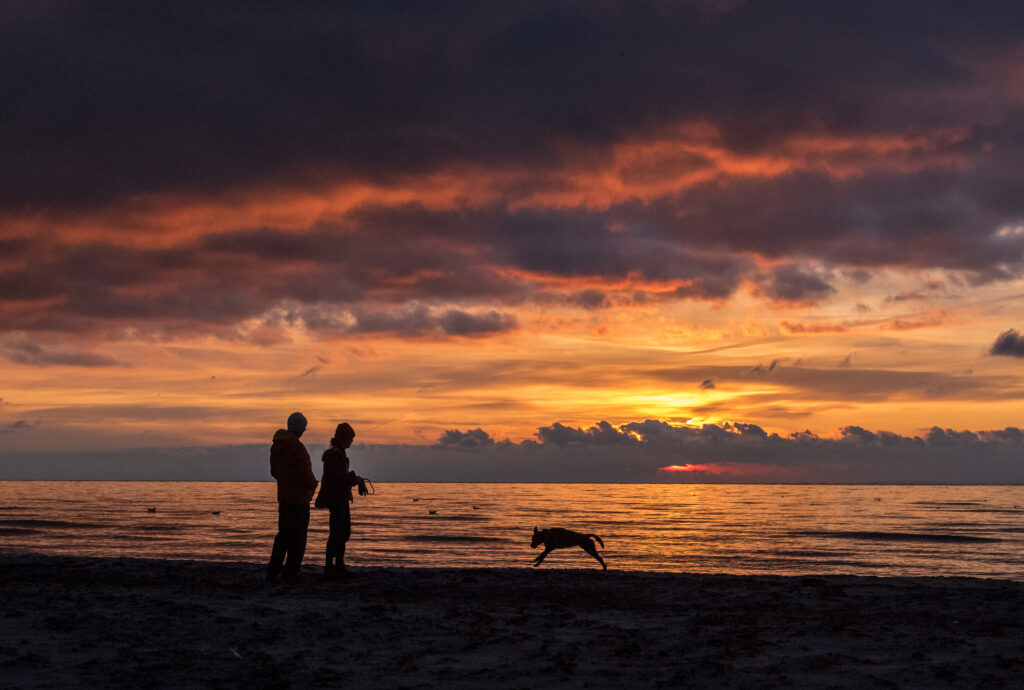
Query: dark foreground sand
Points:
[77, 622]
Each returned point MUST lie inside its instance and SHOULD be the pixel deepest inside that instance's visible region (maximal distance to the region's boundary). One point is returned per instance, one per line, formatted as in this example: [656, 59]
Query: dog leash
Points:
[365, 490]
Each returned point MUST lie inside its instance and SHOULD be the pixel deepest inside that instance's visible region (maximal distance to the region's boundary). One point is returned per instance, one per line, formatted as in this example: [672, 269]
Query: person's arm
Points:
[304, 467]
[275, 465]
[356, 480]
[327, 482]
[310, 478]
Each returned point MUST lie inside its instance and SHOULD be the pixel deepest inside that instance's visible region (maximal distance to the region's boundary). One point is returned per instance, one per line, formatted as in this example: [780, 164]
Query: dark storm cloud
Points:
[1009, 343]
[921, 219]
[591, 299]
[795, 284]
[456, 322]
[105, 102]
[112, 99]
[407, 256]
[420, 320]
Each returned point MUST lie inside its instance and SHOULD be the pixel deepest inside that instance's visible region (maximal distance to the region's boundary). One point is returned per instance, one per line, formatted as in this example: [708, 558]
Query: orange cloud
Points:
[824, 327]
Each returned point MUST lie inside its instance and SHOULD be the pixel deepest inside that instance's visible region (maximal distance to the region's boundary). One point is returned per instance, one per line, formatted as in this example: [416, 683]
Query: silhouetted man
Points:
[291, 467]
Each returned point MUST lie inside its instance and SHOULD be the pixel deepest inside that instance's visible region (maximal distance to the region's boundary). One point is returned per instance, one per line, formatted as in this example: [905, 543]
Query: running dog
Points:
[558, 538]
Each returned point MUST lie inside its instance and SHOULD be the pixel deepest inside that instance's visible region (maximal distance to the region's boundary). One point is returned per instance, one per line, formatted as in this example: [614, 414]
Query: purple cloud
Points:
[1009, 343]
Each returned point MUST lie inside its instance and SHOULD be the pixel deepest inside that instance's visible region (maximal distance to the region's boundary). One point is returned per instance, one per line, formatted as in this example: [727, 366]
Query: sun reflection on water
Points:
[780, 529]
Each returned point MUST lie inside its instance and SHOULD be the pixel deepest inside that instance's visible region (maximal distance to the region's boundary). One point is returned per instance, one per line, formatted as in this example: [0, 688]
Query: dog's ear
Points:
[535, 529]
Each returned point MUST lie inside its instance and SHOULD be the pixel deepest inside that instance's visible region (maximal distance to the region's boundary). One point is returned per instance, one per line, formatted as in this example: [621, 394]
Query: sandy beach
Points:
[78, 622]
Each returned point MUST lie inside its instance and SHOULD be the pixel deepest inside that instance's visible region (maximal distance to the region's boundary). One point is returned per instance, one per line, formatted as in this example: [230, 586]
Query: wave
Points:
[451, 538]
[49, 523]
[947, 503]
[453, 518]
[809, 553]
[741, 561]
[894, 536]
[154, 528]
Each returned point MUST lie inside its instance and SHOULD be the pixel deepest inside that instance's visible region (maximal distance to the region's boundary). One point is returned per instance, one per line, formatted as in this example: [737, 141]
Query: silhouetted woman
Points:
[335, 494]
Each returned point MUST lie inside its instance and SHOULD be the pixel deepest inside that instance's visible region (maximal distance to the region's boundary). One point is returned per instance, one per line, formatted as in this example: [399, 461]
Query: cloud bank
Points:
[647, 451]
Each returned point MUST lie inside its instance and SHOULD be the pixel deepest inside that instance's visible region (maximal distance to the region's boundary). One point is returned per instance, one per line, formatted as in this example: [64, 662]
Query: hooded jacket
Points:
[336, 488]
[291, 467]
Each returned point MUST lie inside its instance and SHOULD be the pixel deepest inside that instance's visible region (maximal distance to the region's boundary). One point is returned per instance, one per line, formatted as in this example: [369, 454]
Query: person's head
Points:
[296, 423]
[343, 435]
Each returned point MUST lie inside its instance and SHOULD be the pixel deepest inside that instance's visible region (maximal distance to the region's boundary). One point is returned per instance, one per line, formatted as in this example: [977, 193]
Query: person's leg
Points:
[344, 530]
[332, 541]
[280, 545]
[298, 526]
[592, 550]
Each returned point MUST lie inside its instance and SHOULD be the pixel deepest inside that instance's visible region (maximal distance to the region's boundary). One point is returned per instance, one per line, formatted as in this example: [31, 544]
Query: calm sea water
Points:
[869, 530]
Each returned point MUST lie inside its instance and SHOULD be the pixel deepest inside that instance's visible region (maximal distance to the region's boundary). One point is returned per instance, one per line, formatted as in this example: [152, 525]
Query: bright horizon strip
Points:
[729, 469]
[411, 391]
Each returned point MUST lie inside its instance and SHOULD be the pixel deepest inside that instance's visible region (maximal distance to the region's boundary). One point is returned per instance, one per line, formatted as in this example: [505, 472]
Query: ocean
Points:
[975, 531]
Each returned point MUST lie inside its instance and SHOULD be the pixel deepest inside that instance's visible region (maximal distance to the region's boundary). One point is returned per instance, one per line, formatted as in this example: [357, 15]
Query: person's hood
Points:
[284, 436]
[333, 454]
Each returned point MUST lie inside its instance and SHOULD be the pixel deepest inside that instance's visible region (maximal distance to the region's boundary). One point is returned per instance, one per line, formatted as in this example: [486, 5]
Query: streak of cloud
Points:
[21, 350]
[19, 425]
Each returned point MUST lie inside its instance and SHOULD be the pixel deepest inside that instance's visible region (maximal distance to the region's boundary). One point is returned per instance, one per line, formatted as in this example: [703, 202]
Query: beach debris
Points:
[415, 499]
[151, 510]
[216, 512]
[476, 507]
[433, 512]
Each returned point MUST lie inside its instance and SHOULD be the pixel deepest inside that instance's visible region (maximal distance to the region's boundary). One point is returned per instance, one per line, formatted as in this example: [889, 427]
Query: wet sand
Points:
[80, 622]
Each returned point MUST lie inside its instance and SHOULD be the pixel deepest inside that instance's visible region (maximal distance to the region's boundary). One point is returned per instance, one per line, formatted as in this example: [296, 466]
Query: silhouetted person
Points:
[336, 494]
[291, 467]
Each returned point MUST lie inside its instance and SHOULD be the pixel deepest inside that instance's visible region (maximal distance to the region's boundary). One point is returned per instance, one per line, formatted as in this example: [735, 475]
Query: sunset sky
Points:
[518, 218]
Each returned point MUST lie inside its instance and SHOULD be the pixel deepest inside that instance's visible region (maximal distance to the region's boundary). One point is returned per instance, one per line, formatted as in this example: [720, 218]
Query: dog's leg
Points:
[538, 559]
[589, 547]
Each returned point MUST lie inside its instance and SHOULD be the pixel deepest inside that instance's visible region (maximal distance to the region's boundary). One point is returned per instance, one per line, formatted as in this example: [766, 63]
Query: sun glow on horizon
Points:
[725, 469]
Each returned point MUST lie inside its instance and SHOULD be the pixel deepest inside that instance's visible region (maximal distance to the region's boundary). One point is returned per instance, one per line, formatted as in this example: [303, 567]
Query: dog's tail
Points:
[598, 539]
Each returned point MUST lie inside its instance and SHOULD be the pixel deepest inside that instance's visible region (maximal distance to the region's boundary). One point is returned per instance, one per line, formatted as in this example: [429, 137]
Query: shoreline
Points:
[271, 480]
[77, 621]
